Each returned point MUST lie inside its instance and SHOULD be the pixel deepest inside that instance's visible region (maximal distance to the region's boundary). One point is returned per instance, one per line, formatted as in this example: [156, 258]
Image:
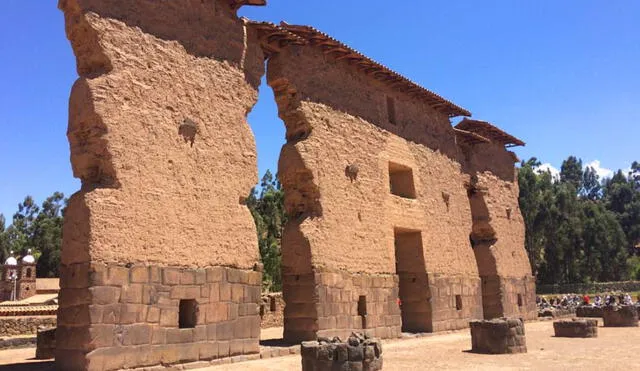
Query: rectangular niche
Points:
[188, 313]
[401, 181]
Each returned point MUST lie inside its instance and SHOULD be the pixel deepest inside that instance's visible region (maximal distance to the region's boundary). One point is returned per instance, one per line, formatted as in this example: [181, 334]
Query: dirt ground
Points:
[615, 348]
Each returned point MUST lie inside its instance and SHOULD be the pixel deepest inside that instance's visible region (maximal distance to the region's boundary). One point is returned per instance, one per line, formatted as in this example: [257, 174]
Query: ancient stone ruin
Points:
[620, 316]
[498, 336]
[358, 353]
[46, 343]
[397, 220]
[576, 328]
[589, 311]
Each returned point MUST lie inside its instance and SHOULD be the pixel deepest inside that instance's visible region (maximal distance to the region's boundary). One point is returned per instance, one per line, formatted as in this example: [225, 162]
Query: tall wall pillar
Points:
[159, 249]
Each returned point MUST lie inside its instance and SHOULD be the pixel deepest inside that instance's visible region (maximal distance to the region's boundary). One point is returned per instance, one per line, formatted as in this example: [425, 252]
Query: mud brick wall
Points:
[620, 316]
[337, 168]
[120, 317]
[576, 328]
[14, 326]
[356, 354]
[498, 336]
[159, 139]
[498, 232]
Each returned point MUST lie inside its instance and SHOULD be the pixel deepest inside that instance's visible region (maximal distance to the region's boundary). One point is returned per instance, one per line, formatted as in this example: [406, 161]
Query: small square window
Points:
[458, 302]
[401, 180]
[188, 313]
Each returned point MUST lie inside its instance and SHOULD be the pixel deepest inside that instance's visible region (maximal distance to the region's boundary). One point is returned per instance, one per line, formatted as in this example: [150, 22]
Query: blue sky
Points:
[562, 75]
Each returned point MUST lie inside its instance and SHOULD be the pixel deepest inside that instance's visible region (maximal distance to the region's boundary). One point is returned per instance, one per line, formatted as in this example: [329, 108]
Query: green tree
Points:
[571, 172]
[591, 187]
[267, 208]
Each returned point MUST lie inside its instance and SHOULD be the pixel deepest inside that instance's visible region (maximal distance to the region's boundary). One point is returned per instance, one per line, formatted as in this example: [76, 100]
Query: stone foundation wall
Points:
[444, 300]
[498, 336]
[576, 328]
[357, 354]
[509, 297]
[620, 316]
[114, 316]
[327, 304]
[14, 326]
[272, 310]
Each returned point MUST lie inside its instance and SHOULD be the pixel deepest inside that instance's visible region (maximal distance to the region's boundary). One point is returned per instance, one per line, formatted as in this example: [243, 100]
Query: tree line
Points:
[579, 228]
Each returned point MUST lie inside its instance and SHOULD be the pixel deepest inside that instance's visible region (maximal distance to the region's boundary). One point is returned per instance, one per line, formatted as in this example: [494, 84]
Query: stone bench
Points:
[557, 312]
[359, 353]
[620, 316]
[46, 343]
[589, 311]
[576, 328]
[498, 336]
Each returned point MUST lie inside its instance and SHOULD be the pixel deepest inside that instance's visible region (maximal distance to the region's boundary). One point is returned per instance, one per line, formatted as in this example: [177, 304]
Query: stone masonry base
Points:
[509, 297]
[114, 316]
[498, 336]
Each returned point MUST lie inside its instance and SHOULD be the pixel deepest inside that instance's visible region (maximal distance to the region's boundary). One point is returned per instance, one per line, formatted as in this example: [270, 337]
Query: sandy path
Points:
[614, 349]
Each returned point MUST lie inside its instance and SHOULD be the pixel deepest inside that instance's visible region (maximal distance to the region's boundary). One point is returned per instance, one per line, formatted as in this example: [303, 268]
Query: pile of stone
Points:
[589, 311]
[620, 316]
[576, 328]
[498, 336]
[551, 312]
[359, 353]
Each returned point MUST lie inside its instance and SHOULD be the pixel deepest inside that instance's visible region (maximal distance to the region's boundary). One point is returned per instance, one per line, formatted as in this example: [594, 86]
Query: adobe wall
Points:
[335, 172]
[508, 285]
[159, 139]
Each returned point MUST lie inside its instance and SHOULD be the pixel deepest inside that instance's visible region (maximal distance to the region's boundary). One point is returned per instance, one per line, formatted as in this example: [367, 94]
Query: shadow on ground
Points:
[38, 366]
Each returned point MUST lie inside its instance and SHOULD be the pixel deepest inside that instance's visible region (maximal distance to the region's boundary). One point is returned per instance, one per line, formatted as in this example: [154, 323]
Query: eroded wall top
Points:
[158, 133]
[348, 142]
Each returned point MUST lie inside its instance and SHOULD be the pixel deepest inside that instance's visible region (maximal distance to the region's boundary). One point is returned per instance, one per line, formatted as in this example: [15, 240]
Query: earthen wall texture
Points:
[159, 139]
[152, 191]
[335, 169]
[508, 286]
[349, 224]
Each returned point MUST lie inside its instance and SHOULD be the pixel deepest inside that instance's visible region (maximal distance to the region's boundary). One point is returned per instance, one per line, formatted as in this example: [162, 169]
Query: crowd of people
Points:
[574, 300]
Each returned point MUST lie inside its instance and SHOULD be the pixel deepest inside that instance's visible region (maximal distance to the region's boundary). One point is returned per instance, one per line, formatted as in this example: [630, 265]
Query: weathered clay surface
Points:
[335, 118]
[498, 232]
[148, 192]
[159, 139]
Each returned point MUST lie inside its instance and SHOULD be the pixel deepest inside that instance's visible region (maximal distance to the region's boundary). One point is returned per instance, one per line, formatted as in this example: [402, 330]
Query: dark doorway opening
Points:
[414, 292]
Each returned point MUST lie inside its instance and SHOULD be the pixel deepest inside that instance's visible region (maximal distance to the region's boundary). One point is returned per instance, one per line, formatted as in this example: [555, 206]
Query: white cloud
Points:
[547, 167]
[601, 171]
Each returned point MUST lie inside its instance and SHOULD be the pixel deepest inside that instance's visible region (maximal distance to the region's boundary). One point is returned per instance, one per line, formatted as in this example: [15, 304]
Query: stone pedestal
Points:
[498, 336]
[46, 343]
[576, 328]
[620, 316]
[589, 311]
[357, 354]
